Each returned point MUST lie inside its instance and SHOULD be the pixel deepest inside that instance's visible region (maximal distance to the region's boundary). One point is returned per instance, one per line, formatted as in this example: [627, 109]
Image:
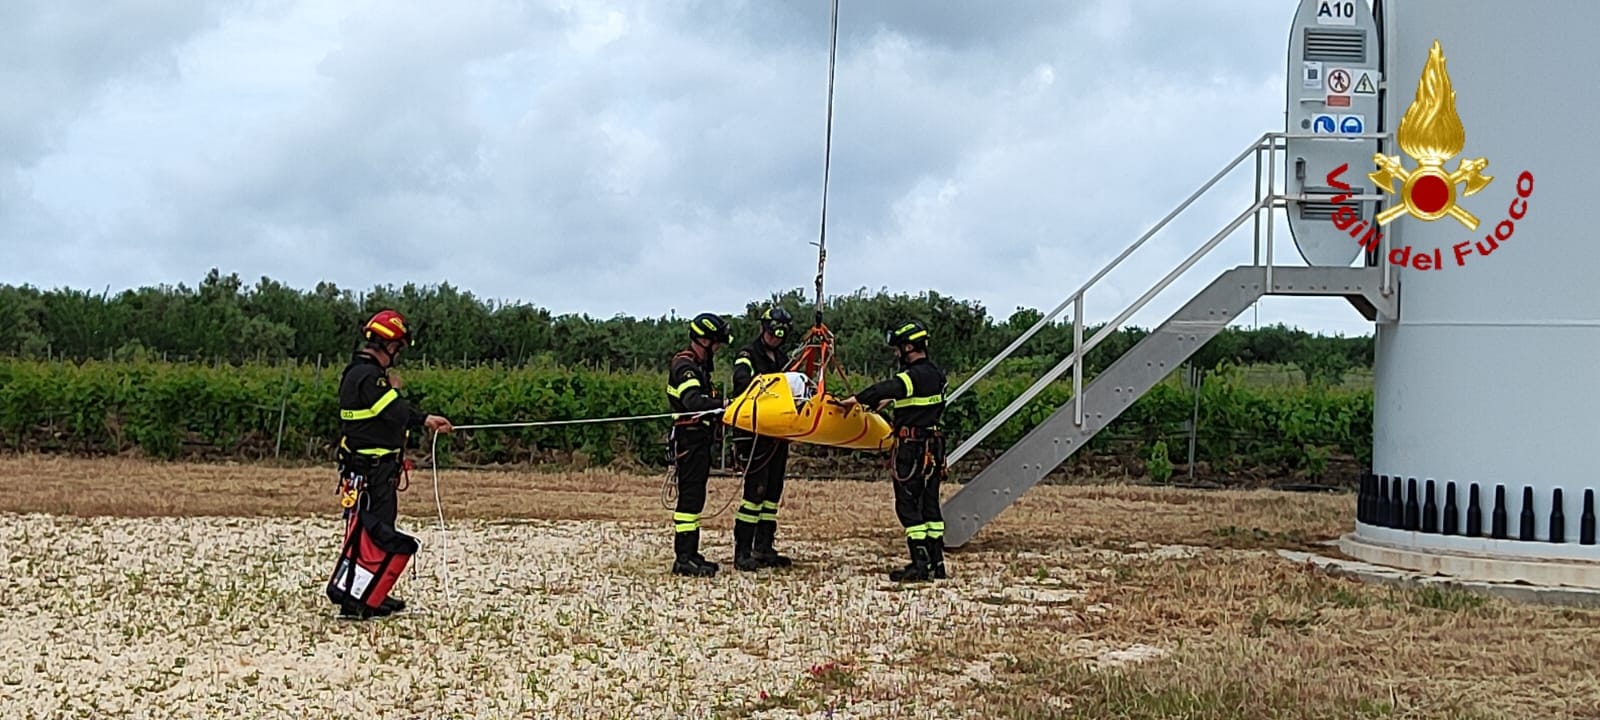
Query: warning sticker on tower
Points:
[1338, 81]
[1365, 85]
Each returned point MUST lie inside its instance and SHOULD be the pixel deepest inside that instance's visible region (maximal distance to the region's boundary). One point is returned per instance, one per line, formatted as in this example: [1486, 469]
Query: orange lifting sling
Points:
[770, 406]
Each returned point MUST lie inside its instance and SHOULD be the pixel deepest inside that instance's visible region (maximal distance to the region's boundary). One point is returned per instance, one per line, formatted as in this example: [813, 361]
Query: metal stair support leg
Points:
[1145, 365]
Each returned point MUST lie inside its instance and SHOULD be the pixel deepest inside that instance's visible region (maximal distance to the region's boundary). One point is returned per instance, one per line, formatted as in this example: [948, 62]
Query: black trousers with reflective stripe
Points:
[765, 467]
[918, 470]
[694, 445]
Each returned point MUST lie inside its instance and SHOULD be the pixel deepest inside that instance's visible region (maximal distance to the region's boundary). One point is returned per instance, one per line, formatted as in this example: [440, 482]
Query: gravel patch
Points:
[206, 617]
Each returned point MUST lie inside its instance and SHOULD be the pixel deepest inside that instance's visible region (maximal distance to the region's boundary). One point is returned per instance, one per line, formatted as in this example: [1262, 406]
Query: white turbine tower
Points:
[1485, 416]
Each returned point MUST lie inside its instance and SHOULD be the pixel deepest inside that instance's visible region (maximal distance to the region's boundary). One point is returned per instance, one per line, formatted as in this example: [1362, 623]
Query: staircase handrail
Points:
[1072, 360]
[1254, 147]
[1267, 201]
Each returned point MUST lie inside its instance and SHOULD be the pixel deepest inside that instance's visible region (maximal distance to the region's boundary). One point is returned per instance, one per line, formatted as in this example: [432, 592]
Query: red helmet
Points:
[387, 326]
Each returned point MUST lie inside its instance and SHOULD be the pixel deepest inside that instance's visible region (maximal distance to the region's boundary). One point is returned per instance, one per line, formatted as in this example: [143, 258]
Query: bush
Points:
[172, 410]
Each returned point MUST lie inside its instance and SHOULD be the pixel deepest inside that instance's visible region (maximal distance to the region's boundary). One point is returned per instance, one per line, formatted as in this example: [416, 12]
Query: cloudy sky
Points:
[637, 156]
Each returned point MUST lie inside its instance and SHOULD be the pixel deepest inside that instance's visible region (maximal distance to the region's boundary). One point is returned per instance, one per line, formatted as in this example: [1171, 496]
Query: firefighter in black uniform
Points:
[765, 458]
[917, 394]
[689, 390]
[374, 423]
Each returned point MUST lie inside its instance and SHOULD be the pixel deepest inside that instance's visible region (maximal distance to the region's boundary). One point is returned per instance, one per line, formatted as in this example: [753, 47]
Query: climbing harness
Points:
[369, 564]
[927, 438]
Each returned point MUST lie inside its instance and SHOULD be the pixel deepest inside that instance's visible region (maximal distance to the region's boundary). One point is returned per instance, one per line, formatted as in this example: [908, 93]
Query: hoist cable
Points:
[827, 161]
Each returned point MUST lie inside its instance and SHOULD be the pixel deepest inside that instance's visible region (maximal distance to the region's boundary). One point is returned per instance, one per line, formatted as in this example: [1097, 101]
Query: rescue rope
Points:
[669, 493]
[433, 456]
[549, 423]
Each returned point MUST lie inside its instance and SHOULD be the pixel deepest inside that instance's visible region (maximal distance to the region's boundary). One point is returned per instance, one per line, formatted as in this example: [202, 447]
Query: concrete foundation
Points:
[1475, 567]
[1514, 591]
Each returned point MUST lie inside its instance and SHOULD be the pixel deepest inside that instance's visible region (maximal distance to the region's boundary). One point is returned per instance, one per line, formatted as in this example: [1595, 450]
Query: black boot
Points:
[393, 604]
[352, 610]
[936, 557]
[686, 546]
[764, 553]
[743, 536]
[918, 569]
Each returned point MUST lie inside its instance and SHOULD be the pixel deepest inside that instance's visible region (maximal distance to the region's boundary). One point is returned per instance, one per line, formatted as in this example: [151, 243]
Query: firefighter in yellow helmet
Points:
[917, 395]
[765, 459]
[689, 390]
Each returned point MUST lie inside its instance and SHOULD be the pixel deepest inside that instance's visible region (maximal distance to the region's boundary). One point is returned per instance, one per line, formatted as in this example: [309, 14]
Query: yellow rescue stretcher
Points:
[780, 405]
[791, 406]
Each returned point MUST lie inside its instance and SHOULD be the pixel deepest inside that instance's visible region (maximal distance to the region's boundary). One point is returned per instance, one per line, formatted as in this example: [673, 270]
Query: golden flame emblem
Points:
[1431, 133]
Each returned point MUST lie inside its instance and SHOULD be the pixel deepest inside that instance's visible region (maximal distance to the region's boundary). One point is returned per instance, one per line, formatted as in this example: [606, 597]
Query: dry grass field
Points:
[134, 589]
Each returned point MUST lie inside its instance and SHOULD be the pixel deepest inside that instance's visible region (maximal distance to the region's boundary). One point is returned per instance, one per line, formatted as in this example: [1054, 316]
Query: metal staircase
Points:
[1371, 289]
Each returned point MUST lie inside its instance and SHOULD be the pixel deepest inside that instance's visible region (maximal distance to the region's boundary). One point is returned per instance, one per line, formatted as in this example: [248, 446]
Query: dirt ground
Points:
[137, 589]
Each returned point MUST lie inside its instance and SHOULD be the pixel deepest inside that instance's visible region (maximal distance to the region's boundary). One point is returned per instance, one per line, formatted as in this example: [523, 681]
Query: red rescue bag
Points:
[367, 570]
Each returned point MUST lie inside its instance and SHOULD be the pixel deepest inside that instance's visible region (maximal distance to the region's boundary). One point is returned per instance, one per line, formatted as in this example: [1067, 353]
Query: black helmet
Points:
[912, 333]
[710, 326]
[777, 321]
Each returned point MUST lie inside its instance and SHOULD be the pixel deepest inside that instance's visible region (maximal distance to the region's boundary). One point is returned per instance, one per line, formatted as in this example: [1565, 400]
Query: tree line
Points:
[223, 319]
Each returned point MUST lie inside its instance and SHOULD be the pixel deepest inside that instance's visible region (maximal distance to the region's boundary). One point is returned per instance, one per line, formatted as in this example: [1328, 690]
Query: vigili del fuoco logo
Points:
[1431, 134]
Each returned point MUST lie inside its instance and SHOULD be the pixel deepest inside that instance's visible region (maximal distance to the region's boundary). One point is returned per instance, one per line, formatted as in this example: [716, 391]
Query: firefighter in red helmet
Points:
[374, 424]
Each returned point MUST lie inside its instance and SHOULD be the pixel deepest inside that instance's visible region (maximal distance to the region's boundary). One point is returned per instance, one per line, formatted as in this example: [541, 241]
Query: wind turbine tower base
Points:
[1487, 385]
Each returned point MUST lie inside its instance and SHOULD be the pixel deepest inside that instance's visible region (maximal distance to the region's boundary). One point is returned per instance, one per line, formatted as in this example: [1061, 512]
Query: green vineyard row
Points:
[175, 410]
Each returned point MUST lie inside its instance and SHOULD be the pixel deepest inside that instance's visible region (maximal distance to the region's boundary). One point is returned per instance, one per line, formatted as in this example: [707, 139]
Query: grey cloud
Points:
[592, 157]
[381, 156]
[948, 24]
[55, 58]
[57, 63]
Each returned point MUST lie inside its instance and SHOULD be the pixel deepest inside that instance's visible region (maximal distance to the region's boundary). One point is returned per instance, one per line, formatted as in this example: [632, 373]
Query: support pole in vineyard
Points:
[283, 407]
